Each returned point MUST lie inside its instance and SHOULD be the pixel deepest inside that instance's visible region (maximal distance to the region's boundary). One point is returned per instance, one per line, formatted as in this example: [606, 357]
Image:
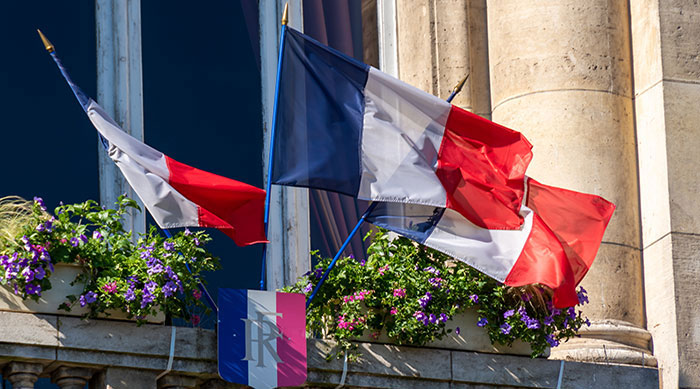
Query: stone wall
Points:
[121, 355]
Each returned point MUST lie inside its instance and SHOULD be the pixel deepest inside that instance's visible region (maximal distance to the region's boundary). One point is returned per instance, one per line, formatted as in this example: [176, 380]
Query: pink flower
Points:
[197, 294]
[110, 287]
[382, 269]
[375, 335]
[394, 311]
[399, 293]
[196, 319]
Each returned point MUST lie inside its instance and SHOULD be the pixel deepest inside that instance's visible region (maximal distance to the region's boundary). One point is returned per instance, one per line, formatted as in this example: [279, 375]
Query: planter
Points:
[470, 338]
[61, 287]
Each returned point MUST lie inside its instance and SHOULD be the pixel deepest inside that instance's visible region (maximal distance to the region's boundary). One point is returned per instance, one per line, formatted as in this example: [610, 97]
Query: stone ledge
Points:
[103, 344]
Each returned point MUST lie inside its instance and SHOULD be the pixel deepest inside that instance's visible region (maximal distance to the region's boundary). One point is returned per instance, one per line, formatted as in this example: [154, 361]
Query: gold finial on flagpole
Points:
[459, 86]
[285, 14]
[47, 44]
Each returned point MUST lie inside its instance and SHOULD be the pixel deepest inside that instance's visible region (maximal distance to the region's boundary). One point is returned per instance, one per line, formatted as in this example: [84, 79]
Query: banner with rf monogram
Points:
[262, 338]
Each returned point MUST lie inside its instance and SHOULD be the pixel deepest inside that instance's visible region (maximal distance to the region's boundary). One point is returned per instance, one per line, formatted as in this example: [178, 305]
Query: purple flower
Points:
[168, 246]
[169, 289]
[187, 232]
[433, 319]
[74, 242]
[31, 289]
[96, 235]
[88, 298]
[474, 298]
[83, 238]
[431, 269]
[588, 322]
[444, 317]
[39, 273]
[308, 288]
[41, 227]
[552, 342]
[423, 301]
[548, 321]
[482, 322]
[49, 224]
[457, 330]
[508, 314]
[526, 297]
[40, 201]
[28, 274]
[196, 242]
[505, 328]
[533, 324]
[571, 312]
[155, 266]
[150, 286]
[582, 296]
[436, 282]
[129, 295]
[420, 316]
[318, 272]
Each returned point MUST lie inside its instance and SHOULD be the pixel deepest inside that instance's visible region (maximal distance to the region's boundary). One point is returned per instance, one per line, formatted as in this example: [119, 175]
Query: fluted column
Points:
[561, 74]
[68, 377]
[439, 43]
[22, 375]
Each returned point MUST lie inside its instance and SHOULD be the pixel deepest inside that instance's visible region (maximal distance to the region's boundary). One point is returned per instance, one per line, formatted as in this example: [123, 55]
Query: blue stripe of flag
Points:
[233, 306]
[319, 117]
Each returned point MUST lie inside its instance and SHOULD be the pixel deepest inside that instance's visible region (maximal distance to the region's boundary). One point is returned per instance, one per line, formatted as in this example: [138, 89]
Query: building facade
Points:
[607, 92]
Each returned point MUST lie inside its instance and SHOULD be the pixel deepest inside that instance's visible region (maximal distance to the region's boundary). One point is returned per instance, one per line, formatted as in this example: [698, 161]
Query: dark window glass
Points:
[202, 106]
[48, 146]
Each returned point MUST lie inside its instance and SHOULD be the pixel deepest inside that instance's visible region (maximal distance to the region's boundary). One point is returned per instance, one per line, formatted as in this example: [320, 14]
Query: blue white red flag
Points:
[345, 127]
[262, 338]
[177, 195]
[555, 246]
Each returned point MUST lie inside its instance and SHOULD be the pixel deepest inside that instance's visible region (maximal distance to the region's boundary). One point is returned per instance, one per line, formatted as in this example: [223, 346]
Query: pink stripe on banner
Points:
[291, 347]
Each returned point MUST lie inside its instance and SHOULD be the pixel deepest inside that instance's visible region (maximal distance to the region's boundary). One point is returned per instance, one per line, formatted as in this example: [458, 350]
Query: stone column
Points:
[439, 43]
[22, 375]
[120, 92]
[68, 377]
[666, 44]
[175, 381]
[561, 74]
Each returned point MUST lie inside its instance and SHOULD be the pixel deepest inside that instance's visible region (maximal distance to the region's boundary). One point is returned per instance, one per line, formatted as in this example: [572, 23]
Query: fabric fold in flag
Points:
[178, 195]
[343, 126]
[555, 246]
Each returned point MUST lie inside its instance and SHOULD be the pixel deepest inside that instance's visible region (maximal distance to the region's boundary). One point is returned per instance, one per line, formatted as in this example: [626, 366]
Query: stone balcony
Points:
[119, 355]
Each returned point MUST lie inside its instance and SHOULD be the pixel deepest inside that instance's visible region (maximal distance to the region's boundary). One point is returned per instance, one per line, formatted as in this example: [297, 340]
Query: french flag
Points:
[555, 246]
[262, 338]
[343, 126]
[177, 195]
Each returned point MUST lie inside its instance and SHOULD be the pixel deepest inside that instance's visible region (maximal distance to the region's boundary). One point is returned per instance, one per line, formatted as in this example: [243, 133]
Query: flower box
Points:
[470, 338]
[61, 287]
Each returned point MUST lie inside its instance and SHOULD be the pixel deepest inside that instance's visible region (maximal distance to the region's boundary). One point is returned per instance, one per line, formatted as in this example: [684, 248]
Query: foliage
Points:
[409, 292]
[138, 279]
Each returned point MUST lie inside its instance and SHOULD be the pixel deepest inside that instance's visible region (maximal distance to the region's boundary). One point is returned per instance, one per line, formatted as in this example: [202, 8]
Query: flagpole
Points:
[284, 21]
[84, 100]
[369, 210]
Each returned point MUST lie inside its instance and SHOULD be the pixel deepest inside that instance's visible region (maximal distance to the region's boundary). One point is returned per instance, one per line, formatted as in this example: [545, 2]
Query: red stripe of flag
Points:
[235, 208]
[482, 166]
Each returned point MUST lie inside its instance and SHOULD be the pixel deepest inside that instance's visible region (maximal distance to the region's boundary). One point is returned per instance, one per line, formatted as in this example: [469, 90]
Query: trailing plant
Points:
[409, 292]
[139, 279]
